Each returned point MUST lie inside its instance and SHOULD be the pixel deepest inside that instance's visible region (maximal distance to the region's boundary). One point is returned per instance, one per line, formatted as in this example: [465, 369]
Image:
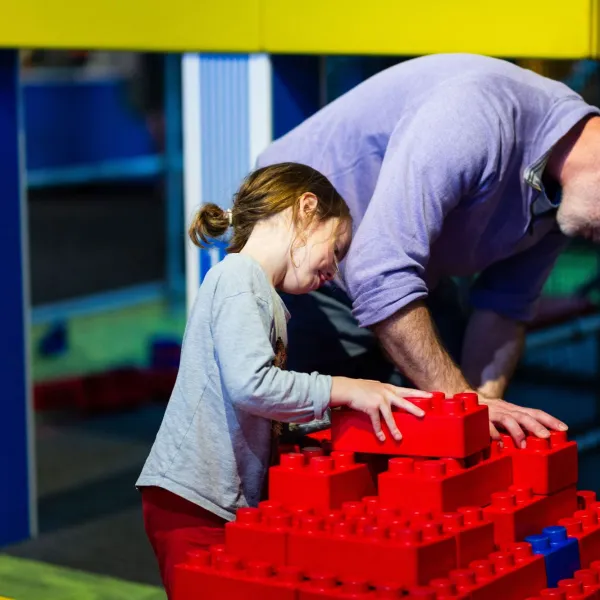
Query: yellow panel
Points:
[209, 25]
[595, 38]
[519, 28]
[523, 28]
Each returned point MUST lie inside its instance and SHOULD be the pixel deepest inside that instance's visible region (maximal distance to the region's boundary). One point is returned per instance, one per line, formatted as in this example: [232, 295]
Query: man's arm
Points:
[491, 351]
[410, 339]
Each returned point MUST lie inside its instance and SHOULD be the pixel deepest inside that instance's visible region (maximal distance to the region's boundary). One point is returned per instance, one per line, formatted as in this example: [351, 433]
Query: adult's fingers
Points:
[494, 432]
[531, 424]
[545, 419]
[511, 425]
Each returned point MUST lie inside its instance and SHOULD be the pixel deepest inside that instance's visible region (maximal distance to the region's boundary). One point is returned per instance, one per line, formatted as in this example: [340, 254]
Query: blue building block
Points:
[164, 353]
[561, 553]
[55, 341]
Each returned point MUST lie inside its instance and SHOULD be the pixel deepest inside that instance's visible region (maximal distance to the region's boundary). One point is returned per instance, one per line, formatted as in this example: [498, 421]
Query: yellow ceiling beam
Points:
[511, 28]
[161, 25]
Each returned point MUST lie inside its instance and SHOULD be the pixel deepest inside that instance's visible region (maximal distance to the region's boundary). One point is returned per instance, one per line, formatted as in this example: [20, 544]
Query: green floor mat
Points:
[108, 339]
[22, 579]
[574, 268]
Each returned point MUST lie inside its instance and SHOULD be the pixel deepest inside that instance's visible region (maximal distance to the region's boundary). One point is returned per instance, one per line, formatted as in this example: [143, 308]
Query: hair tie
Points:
[229, 214]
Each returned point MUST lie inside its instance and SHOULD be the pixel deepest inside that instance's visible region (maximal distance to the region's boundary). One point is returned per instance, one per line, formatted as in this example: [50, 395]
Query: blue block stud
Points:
[561, 553]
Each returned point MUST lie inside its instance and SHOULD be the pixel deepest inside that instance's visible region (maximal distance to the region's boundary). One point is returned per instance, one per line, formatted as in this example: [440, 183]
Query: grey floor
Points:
[89, 509]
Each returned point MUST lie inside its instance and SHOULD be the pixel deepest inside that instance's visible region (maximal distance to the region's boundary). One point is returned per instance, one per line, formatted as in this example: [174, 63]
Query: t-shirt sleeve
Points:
[241, 328]
[444, 151]
[512, 287]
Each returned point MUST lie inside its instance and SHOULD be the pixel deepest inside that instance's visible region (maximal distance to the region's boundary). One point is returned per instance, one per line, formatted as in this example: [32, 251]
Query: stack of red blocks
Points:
[446, 520]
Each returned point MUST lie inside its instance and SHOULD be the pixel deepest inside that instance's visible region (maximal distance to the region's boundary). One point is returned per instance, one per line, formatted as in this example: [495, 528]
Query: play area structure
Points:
[252, 70]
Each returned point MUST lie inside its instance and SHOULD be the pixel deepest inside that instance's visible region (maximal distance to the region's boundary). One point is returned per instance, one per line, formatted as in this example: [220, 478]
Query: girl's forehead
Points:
[344, 231]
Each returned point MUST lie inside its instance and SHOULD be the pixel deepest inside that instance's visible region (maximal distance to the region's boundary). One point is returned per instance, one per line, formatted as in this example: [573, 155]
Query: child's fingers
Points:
[386, 411]
[376, 422]
[408, 406]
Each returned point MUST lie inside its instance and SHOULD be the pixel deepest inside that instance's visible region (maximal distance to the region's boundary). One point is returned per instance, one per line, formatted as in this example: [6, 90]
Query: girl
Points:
[211, 454]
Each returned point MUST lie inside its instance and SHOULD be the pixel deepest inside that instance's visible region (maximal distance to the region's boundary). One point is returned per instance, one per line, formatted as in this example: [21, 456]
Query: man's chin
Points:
[571, 231]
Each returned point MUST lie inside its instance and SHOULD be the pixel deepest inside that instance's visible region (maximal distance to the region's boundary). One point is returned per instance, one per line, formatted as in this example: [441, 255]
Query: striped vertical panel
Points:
[225, 133]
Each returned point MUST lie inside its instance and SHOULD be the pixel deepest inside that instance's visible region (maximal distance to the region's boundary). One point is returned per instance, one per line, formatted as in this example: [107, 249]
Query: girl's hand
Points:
[375, 399]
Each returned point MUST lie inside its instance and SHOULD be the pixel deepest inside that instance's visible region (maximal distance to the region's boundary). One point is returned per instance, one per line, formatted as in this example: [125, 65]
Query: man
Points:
[453, 166]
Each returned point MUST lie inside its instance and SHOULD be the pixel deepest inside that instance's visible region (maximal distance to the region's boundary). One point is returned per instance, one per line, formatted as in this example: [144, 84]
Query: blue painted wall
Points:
[14, 484]
[81, 122]
[296, 91]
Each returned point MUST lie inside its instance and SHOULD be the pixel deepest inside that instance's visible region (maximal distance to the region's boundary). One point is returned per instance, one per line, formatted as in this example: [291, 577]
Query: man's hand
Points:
[410, 340]
[516, 420]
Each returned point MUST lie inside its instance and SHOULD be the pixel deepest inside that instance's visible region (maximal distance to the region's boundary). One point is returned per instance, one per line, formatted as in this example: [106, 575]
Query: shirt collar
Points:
[533, 177]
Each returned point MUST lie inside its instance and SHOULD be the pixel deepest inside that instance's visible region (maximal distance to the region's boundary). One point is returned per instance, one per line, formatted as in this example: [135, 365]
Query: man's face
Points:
[579, 211]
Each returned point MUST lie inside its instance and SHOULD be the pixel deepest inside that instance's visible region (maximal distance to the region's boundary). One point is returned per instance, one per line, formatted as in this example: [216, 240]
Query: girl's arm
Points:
[244, 353]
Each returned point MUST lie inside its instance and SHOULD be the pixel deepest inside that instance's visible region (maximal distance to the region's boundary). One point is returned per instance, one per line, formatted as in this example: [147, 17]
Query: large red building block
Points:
[561, 594]
[443, 485]
[585, 499]
[322, 483]
[569, 589]
[324, 586]
[544, 465]
[119, 389]
[258, 535]
[160, 382]
[405, 554]
[574, 588]
[474, 534]
[503, 576]
[517, 513]
[590, 580]
[456, 428]
[438, 589]
[585, 527]
[219, 576]
[59, 394]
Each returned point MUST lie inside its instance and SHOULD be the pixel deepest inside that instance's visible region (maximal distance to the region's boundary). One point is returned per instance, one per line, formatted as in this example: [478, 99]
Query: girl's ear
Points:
[308, 205]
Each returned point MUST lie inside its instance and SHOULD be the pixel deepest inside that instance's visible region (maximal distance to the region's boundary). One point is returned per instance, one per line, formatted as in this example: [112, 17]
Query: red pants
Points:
[174, 527]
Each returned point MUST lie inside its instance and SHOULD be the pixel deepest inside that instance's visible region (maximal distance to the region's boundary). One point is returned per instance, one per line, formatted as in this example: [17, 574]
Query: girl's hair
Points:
[264, 193]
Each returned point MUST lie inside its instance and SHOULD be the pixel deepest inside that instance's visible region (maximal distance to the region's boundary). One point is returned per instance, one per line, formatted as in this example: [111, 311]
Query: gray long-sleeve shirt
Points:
[213, 445]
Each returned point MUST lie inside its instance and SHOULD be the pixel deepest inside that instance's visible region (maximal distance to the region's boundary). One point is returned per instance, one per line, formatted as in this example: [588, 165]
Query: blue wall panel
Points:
[80, 122]
[14, 472]
[296, 91]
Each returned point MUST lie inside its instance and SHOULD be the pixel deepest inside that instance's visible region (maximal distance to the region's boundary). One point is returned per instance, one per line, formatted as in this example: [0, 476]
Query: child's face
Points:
[315, 260]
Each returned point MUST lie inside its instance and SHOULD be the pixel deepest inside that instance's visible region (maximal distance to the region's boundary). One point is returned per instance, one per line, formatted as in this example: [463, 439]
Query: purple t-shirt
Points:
[434, 157]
